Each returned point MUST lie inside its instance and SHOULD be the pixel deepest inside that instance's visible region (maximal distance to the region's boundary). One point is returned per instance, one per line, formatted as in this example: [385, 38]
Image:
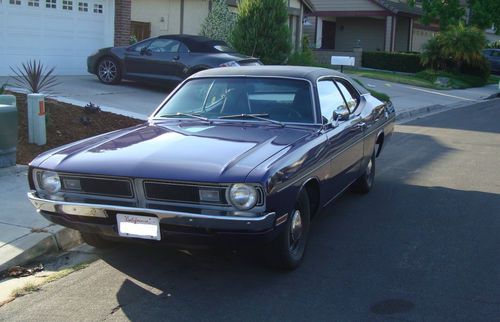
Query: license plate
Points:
[138, 226]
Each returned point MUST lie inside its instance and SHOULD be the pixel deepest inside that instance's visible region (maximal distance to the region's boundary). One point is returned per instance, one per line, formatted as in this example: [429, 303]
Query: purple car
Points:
[233, 157]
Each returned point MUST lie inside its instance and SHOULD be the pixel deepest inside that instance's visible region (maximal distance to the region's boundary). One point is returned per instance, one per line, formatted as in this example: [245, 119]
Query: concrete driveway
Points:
[129, 98]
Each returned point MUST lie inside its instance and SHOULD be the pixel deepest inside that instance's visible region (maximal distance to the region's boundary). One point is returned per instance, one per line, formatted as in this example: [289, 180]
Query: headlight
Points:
[50, 182]
[243, 196]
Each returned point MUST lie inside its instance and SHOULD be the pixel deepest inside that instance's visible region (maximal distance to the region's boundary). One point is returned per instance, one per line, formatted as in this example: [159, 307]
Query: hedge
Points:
[399, 62]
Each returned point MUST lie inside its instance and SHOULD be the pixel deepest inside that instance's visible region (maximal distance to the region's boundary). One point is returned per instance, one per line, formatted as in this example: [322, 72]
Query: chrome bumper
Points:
[260, 223]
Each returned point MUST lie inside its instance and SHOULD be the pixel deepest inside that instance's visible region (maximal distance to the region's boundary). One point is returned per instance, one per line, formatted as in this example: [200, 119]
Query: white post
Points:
[36, 119]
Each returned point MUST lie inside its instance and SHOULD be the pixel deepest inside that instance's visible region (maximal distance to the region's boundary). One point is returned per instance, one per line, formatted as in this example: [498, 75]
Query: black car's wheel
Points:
[365, 183]
[288, 249]
[108, 71]
[96, 240]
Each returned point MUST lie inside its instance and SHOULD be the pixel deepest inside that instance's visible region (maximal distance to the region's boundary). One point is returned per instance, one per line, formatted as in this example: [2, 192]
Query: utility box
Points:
[8, 130]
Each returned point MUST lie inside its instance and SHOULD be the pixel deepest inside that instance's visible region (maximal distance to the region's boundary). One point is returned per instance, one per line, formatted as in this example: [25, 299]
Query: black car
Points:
[165, 59]
[493, 56]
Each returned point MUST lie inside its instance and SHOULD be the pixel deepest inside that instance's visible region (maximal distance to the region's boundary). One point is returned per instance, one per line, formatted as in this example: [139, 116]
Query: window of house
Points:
[97, 8]
[51, 4]
[15, 2]
[330, 99]
[34, 3]
[83, 6]
[67, 5]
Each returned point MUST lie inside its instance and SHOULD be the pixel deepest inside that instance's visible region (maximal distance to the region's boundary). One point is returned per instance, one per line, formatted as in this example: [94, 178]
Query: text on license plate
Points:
[138, 226]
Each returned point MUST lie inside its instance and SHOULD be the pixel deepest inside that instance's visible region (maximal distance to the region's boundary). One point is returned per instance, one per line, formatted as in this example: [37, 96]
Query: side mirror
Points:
[340, 114]
[145, 51]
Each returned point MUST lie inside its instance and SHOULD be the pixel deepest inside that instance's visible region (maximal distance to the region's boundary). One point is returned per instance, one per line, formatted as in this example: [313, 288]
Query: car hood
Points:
[187, 151]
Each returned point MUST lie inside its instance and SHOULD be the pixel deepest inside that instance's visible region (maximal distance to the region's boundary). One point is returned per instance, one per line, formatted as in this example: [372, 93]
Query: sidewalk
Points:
[24, 234]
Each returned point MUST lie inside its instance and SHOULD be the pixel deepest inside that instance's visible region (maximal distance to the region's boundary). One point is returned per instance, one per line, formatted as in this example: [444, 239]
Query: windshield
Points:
[283, 100]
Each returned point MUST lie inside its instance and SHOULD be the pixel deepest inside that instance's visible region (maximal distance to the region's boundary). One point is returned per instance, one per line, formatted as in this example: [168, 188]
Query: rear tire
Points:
[288, 249]
[108, 71]
[96, 241]
[365, 183]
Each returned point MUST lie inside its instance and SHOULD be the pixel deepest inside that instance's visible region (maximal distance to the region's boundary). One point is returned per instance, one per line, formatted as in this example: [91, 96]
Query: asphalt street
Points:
[422, 246]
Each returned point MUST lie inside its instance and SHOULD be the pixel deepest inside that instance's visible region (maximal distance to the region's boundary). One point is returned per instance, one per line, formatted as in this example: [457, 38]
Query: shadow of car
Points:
[164, 59]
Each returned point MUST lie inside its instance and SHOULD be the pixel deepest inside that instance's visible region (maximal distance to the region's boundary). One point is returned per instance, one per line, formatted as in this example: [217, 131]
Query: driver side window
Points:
[330, 99]
[164, 46]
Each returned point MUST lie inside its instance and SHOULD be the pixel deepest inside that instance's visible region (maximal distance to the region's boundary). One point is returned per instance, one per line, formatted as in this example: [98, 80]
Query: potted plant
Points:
[35, 79]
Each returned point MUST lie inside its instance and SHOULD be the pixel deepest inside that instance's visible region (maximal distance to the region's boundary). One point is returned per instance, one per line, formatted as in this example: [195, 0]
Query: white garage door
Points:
[60, 33]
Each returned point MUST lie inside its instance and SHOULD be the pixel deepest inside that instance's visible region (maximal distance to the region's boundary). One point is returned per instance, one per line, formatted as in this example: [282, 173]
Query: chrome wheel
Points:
[108, 71]
[295, 230]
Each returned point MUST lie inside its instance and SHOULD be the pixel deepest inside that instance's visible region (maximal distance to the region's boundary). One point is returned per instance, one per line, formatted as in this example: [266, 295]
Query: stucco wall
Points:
[402, 25]
[164, 15]
[420, 38]
[370, 31]
[195, 12]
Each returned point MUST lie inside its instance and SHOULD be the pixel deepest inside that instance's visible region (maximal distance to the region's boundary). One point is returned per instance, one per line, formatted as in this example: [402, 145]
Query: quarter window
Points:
[51, 4]
[67, 5]
[330, 99]
[349, 95]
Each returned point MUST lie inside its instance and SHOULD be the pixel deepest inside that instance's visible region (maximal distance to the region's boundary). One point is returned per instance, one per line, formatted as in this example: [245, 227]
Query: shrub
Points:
[494, 44]
[400, 62]
[304, 57]
[480, 68]
[261, 30]
[34, 77]
[219, 23]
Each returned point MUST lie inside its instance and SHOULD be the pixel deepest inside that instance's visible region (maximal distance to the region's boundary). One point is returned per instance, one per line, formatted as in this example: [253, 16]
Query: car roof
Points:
[196, 43]
[311, 74]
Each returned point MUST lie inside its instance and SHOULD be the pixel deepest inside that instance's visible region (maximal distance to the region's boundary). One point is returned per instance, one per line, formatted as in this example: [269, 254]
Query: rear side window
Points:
[330, 99]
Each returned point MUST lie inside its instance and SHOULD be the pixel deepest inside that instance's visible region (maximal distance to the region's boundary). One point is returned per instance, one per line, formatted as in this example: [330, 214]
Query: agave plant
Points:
[34, 76]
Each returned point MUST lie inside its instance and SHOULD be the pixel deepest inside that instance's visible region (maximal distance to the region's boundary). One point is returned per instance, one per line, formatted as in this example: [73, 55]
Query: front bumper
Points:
[104, 214]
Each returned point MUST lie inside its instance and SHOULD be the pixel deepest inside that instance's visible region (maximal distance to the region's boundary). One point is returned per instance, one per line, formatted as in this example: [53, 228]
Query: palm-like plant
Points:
[34, 77]
[462, 44]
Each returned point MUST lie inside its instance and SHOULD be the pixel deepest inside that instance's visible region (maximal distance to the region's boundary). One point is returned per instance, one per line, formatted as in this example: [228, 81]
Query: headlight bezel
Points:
[42, 180]
[254, 200]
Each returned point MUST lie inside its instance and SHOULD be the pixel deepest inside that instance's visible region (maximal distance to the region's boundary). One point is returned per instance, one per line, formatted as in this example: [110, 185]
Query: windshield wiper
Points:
[261, 117]
[188, 115]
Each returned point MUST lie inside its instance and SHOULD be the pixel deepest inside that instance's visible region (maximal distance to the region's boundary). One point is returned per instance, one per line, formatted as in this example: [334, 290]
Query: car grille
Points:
[100, 186]
[184, 193]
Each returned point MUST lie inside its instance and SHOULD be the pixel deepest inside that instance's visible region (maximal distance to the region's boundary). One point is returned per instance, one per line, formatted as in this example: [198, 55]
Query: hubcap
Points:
[369, 168]
[295, 229]
[107, 71]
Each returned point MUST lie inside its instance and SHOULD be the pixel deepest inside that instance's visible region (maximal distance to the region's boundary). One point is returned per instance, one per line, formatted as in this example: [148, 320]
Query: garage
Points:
[60, 33]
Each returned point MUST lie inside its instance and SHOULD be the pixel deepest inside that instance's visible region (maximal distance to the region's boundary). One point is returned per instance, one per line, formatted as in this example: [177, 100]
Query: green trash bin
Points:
[8, 130]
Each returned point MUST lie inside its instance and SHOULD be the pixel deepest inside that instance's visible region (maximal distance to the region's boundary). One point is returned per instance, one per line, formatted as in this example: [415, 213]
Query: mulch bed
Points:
[64, 126]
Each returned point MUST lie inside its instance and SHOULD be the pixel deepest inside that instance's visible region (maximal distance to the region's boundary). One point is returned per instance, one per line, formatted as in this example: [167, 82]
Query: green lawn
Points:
[425, 78]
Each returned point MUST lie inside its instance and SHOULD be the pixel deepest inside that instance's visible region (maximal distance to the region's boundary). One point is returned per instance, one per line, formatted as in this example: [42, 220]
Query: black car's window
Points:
[164, 46]
[183, 48]
[330, 99]
[140, 46]
[349, 94]
[278, 99]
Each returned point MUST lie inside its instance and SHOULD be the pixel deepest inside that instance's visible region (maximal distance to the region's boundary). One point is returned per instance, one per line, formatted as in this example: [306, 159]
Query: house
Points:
[62, 33]
[374, 25]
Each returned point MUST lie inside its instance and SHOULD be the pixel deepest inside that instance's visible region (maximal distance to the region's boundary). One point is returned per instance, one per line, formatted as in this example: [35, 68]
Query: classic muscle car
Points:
[233, 156]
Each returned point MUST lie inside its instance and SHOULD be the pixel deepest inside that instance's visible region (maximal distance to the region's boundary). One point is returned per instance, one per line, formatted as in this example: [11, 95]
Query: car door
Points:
[134, 60]
[160, 60]
[343, 134]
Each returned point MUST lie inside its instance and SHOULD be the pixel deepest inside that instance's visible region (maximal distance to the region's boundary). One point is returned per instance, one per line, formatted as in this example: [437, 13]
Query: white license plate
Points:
[138, 226]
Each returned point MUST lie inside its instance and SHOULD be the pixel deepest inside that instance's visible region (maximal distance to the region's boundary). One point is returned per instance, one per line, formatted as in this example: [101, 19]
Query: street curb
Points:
[57, 239]
[408, 116]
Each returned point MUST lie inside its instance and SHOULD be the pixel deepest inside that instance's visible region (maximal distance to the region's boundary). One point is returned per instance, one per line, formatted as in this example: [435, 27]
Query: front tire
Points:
[365, 183]
[288, 249]
[108, 71]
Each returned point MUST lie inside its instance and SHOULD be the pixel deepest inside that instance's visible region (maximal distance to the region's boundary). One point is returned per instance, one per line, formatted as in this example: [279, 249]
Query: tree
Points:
[449, 12]
[219, 23]
[261, 30]
[485, 13]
